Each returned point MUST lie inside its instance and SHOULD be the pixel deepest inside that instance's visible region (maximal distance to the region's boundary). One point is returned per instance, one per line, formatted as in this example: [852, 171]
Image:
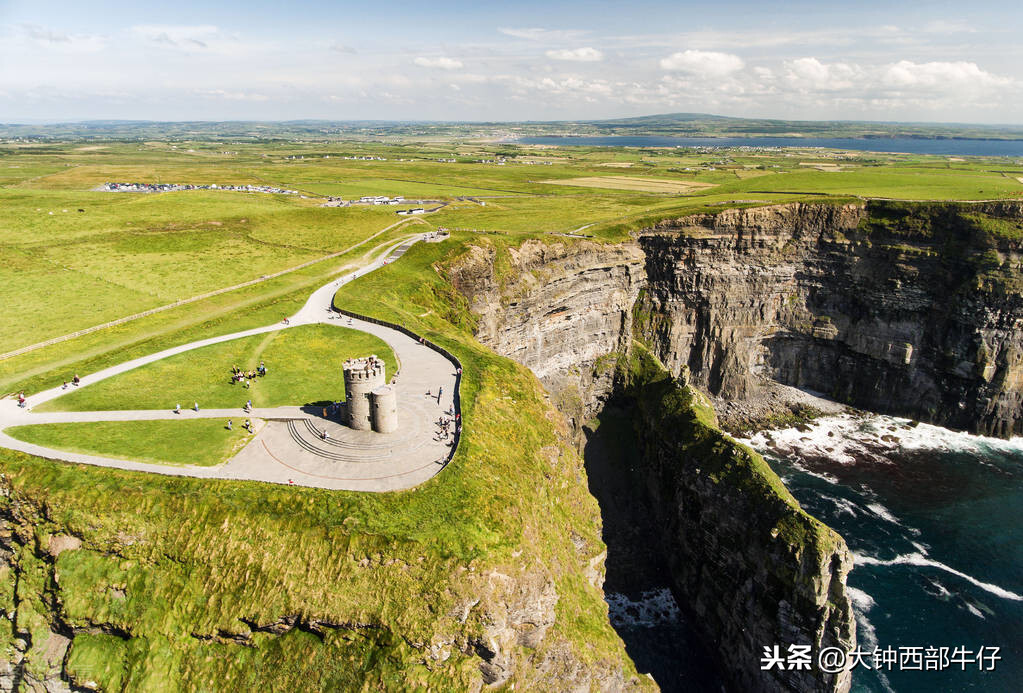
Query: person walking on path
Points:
[440, 391]
[248, 405]
[177, 408]
[196, 407]
[230, 424]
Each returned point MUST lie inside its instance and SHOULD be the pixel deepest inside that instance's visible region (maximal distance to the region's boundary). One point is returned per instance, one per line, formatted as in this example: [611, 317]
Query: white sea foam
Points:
[974, 610]
[843, 506]
[860, 599]
[653, 608]
[918, 559]
[883, 513]
[848, 438]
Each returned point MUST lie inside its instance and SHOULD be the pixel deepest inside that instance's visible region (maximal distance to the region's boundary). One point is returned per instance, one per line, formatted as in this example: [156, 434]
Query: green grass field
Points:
[303, 364]
[169, 567]
[201, 442]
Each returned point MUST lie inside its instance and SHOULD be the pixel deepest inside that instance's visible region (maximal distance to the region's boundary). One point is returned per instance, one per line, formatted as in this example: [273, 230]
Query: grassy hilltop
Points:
[172, 583]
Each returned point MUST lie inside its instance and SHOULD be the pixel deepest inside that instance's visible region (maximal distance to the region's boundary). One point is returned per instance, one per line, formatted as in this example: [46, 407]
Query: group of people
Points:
[247, 425]
[446, 423]
[246, 377]
[74, 381]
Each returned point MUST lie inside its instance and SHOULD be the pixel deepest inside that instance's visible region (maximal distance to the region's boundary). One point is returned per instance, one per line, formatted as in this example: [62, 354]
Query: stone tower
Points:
[384, 409]
[371, 404]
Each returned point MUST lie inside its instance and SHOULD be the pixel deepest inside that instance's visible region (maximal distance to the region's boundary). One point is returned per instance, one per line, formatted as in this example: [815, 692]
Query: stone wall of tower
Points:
[384, 413]
[362, 376]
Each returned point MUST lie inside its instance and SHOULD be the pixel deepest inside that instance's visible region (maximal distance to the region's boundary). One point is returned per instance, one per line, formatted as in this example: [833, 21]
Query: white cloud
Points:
[579, 55]
[707, 63]
[232, 95]
[178, 36]
[58, 40]
[811, 73]
[440, 63]
[537, 34]
[907, 74]
[343, 48]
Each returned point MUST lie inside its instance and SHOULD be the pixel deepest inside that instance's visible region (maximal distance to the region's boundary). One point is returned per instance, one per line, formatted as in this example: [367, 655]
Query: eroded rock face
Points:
[924, 325]
[561, 308]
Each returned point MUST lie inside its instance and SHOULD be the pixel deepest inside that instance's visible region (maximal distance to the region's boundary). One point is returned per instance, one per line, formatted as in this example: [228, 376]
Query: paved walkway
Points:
[290, 448]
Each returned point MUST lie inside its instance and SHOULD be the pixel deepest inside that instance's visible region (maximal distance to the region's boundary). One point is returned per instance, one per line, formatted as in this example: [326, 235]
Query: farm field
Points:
[632, 183]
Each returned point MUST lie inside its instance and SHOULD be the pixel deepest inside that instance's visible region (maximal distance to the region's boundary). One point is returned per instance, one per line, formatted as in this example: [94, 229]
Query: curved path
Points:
[290, 448]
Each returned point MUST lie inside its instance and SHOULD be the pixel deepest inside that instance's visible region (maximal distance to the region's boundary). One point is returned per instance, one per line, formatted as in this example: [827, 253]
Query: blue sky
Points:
[926, 61]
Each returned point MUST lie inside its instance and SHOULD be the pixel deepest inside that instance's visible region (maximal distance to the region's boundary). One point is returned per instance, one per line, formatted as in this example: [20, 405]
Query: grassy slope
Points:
[192, 558]
[303, 366]
[202, 442]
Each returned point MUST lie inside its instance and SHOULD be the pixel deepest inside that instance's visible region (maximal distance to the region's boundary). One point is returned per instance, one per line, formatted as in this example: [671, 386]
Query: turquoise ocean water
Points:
[934, 521]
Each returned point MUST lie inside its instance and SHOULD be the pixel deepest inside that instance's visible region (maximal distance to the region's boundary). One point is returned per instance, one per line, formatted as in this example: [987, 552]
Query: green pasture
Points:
[257, 305]
[201, 442]
[303, 363]
[126, 253]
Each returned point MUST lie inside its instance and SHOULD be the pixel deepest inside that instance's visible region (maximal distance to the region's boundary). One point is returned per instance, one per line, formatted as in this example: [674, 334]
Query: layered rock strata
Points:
[907, 309]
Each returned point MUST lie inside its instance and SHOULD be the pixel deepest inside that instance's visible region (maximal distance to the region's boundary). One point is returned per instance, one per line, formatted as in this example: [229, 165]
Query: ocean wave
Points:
[852, 438]
[920, 560]
[883, 513]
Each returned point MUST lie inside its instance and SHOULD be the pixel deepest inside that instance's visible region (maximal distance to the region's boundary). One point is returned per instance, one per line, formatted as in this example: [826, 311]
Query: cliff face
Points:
[906, 309]
[560, 309]
[752, 567]
[914, 311]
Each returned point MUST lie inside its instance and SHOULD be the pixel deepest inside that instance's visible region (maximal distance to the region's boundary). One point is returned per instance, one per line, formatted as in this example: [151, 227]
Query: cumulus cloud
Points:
[807, 73]
[707, 63]
[579, 55]
[537, 34]
[907, 74]
[439, 63]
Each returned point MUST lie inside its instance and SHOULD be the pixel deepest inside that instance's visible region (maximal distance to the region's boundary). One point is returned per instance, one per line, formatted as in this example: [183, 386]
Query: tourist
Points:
[248, 405]
[230, 424]
[248, 425]
[64, 386]
[75, 380]
[177, 408]
[196, 406]
[21, 399]
[325, 434]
